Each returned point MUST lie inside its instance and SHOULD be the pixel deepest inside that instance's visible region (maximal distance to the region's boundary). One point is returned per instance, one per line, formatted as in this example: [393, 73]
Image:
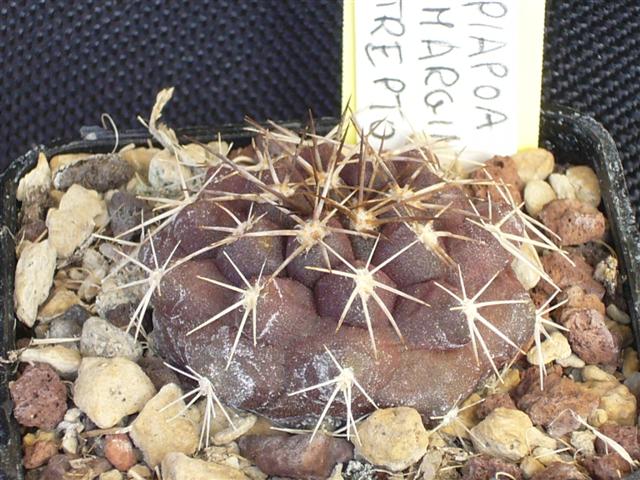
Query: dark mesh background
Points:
[65, 62]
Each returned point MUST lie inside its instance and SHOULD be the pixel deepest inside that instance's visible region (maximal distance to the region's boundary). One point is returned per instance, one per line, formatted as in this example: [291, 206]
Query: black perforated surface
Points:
[64, 62]
[592, 63]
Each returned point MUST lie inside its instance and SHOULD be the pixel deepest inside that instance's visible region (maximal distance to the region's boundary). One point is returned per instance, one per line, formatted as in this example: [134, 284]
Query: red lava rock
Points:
[627, 436]
[607, 467]
[494, 401]
[565, 275]
[100, 172]
[39, 397]
[552, 406]
[573, 221]
[498, 169]
[484, 467]
[560, 471]
[159, 374]
[296, 456]
[577, 298]
[119, 451]
[39, 453]
[590, 338]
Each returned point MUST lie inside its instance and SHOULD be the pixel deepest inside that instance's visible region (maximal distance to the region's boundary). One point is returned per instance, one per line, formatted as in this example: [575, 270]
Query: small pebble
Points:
[139, 472]
[65, 361]
[585, 183]
[525, 271]
[485, 467]
[241, 425]
[531, 466]
[38, 449]
[572, 361]
[614, 313]
[177, 466]
[59, 301]
[72, 223]
[537, 194]
[108, 390]
[562, 186]
[554, 348]
[36, 183]
[33, 279]
[394, 438]
[166, 174]
[589, 337]
[584, 442]
[508, 434]
[39, 397]
[111, 475]
[119, 451]
[102, 339]
[534, 164]
[616, 400]
[573, 221]
[630, 362]
[162, 426]
[550, 406]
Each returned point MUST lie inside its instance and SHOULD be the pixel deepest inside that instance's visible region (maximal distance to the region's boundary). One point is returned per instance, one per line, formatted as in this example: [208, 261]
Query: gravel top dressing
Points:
[299, 307]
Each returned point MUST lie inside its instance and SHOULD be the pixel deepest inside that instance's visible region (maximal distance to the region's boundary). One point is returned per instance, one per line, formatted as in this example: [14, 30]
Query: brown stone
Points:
[119, 451]
[39, 453]
[499, 169]
[554, 406]
[485, 467]
[627, 436]
[39, 397]
[492, 402]
[607, 467]
[590, 338]
[560, 471]
[573, 221]
[296, 456]
[577, 298]
[566, 275]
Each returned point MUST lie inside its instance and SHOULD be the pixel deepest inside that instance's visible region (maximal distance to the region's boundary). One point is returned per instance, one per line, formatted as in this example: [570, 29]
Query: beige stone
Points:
[509, 434]
[534, 164]
[394, 438]
[585, 183]
[35, 183]
[163, 426]
[554, 348]
[562, 186]
[109, 389]
[33, 279]
[177, 466]
[537, 193]
[65, 361]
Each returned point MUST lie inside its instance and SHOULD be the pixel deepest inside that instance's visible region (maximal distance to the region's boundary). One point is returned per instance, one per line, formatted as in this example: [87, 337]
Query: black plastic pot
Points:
[573, 138]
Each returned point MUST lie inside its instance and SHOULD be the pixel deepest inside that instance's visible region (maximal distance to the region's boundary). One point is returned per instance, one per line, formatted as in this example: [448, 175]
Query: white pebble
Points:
[525, 271]
[537, 193]
[562, 186]
[585, 183]
[534, 164]
[614, 313]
